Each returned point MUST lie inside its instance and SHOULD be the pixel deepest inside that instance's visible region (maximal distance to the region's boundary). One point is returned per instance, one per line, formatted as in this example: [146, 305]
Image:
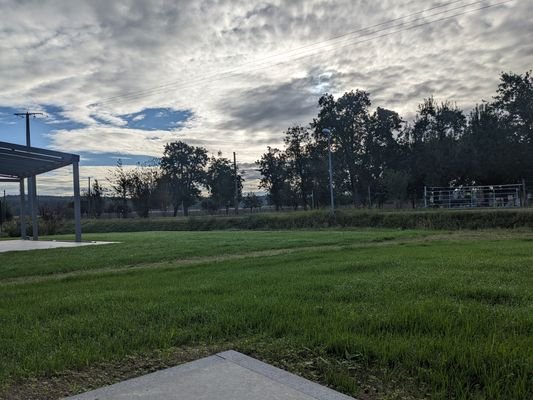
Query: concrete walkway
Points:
[25, 245]
[224, 376]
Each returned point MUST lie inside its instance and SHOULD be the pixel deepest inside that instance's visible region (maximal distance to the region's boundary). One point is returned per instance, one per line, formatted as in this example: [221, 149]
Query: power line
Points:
[303, 47]
[216, 77]
[163, 88]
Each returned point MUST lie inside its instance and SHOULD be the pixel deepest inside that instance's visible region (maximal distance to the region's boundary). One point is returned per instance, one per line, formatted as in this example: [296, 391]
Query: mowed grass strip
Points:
[454, 315]
[152, 247]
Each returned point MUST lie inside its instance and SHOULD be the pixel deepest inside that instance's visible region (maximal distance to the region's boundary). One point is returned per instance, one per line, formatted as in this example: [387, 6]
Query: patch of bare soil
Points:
[364, 382]
[71, 382]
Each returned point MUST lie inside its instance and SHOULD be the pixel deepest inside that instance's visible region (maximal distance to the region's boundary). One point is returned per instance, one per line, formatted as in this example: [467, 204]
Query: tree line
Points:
[177, 181]
[378, 156]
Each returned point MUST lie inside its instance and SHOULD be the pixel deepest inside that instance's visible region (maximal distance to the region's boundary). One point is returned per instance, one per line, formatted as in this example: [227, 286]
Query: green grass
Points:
[150, 247]
[453, 314]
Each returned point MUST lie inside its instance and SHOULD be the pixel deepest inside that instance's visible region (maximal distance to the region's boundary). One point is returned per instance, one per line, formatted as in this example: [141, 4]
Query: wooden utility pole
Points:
[88, 197]
[3, 212]
[236, 200]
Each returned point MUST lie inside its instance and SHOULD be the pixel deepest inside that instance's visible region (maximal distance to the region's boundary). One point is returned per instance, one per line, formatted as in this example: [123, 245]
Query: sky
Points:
[120, 79]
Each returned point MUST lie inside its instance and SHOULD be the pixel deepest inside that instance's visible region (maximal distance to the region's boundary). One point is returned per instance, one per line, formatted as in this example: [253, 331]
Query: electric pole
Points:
[89, 197]
[32, 181]
[236, 183]
[328, 133]
[27, 115]
[3, 212]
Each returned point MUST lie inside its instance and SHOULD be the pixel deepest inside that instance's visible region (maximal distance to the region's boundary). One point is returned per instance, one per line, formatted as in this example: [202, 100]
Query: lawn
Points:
[373, 313]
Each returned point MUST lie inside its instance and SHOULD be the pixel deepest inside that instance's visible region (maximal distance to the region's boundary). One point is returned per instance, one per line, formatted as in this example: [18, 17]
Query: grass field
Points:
[378, 314]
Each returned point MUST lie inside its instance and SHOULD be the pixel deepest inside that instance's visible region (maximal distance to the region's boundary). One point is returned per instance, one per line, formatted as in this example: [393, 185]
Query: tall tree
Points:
[514, 105]
[488, 149]
[120, 180]
[348, 119]
[273, 169]
[143, 185]
[184, 168]
[97, 198]
[298, 158]
[433, 146]
[220, 181]
[514, 100]
[381, 150]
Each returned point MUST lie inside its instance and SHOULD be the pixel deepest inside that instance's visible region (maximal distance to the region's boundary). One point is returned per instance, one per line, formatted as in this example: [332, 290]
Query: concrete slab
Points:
[25, 245]
[224, 376]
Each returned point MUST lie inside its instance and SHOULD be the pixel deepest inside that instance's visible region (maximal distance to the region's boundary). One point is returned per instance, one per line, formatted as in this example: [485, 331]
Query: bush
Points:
[445, 220]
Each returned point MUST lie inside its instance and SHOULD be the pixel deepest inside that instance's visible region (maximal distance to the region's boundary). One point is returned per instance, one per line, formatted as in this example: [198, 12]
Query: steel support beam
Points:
[22, 210]
[35, 208]
[77, 204]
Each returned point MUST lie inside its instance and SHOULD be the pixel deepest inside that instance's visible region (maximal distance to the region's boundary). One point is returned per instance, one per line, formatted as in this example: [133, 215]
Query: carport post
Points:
[22, 210]
[34, 218]
[77, 206]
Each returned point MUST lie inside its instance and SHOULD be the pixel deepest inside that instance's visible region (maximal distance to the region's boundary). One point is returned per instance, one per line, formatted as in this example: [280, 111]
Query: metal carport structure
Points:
[18, 163]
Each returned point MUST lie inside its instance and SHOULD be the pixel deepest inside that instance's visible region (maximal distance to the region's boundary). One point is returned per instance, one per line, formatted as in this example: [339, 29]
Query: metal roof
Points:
[18, 161]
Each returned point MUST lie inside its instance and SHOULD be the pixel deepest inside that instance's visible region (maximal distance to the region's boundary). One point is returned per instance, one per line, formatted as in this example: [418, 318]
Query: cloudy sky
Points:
[119, 79]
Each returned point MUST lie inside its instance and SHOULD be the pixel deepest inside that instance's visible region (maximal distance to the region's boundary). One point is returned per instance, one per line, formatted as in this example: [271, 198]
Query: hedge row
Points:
[446, 220]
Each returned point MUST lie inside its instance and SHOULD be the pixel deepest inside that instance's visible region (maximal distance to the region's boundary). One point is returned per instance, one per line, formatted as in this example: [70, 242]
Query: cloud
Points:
[139, 117]
[241, 70]
[271, 107]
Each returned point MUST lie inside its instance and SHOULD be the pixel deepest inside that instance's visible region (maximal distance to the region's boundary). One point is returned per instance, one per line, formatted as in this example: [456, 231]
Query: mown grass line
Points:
[453, 315]
[211, 260]
[199, 260]
[153, 247]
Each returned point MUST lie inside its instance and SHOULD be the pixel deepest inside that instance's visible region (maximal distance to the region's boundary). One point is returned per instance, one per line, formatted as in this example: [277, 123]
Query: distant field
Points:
[378, 314]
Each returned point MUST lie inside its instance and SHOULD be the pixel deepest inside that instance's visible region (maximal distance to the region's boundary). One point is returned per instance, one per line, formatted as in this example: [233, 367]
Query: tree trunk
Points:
[124, 207]
[353, 184]
[185, 211]
[304, 200]
[175, 211]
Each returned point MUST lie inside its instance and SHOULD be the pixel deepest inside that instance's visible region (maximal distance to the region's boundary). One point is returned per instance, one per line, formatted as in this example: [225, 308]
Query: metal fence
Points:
[490, 196]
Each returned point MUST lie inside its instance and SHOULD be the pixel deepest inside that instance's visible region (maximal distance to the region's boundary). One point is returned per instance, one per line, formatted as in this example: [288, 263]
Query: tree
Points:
[6, 214]
[396, 184]
[489, 149]
[298, 158]
[381, 150]
[514, 100]
[184, 168]
[220, 181]
[432, 146]
[143, 185]
[97, 198]
[251, 201]
[120, 181]
[209, 205]
[272, 167]
[514, 106]
[348, 119]
[162, 198]
[318, 160]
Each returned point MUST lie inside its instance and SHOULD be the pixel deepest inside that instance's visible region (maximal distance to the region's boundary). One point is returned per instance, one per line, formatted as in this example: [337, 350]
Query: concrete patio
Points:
[225, 376]
[25, 245]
